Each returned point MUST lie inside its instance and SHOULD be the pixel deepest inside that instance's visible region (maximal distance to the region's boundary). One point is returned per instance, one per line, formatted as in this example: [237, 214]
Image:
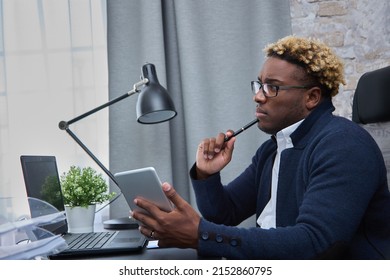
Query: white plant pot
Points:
[80, 219]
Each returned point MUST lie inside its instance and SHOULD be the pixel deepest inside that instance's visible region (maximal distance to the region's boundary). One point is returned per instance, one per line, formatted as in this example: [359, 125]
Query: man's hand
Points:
[213, 155]
[178, 228]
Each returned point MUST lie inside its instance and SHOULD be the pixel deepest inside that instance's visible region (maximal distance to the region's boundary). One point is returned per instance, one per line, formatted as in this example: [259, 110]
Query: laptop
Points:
[37, 172]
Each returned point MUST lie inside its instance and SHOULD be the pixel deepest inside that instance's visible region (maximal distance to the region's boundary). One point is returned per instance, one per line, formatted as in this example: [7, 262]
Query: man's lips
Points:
[260, 113]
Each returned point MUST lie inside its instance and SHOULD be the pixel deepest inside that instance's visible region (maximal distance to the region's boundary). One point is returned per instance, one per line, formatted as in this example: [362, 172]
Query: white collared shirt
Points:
[267, 218]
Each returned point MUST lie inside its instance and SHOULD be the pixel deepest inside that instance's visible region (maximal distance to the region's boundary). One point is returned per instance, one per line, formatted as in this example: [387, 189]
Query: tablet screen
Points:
[143, 182]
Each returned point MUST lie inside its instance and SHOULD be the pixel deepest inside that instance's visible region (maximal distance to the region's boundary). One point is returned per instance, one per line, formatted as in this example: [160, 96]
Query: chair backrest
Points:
[371, 109]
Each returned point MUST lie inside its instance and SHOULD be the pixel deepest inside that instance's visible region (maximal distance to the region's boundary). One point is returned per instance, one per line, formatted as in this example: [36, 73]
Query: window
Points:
[53, 67]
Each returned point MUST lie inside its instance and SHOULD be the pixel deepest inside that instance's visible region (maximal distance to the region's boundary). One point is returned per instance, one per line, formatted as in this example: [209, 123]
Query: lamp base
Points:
[121, 223]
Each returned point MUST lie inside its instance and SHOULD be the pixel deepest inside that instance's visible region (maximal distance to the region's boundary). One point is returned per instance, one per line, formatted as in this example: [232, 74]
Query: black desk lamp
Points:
[154, 105]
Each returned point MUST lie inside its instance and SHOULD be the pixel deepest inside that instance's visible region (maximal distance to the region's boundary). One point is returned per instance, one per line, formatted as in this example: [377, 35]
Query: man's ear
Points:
[313, 98]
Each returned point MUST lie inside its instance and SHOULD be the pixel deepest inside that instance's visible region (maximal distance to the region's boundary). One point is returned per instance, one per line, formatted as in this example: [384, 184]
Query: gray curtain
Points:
[206, 53]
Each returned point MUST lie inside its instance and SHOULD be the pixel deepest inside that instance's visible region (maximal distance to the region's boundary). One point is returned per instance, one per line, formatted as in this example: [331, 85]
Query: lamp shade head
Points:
[154, 104]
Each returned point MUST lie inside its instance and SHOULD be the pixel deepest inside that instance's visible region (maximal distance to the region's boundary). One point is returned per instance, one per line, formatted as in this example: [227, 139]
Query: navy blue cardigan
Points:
[333, 200]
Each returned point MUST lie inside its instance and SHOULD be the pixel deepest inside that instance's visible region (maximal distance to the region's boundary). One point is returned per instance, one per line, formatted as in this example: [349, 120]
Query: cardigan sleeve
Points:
[229, 205]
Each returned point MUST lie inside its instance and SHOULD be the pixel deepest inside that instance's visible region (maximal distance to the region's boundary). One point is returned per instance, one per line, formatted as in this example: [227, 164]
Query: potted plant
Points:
[82, 189]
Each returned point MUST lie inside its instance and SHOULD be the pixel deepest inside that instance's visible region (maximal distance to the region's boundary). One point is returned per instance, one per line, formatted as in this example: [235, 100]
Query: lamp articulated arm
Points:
[154, 106]
[64, 125]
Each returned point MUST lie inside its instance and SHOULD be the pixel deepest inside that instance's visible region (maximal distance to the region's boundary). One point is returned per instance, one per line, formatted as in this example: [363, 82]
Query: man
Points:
[318, 187]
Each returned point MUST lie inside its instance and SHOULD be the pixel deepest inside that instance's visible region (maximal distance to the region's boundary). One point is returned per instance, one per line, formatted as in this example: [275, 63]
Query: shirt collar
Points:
[283, 137]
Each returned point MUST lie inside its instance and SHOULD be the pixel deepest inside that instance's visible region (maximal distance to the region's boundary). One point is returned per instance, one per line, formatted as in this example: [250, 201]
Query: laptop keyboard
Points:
[90, 240]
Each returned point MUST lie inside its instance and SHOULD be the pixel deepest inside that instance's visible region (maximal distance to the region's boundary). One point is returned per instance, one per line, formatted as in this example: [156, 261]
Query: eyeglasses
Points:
[271, 90]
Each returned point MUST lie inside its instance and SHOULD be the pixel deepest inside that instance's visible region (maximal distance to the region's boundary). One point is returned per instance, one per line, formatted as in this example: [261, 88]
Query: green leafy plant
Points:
[83, 187]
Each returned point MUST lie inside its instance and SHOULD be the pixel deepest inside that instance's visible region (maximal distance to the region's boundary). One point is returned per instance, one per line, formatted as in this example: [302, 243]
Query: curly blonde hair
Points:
[316, 58]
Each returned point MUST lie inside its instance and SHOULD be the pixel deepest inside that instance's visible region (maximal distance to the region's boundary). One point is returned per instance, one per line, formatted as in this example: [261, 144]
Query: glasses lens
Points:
[256, 86]
[267, 90]
[271, 90]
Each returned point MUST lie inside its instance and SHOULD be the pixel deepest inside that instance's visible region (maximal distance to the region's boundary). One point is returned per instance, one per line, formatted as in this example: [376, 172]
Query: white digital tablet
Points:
[145, 183]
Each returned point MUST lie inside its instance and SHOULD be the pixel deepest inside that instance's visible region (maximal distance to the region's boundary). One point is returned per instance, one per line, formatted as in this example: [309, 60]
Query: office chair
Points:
[371, 109]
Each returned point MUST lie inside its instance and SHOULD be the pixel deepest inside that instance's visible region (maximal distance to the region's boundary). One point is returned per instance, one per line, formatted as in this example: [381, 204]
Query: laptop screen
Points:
[42, 182]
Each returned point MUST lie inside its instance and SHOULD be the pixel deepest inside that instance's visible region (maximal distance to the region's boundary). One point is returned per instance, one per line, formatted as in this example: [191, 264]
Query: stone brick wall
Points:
[358, 30]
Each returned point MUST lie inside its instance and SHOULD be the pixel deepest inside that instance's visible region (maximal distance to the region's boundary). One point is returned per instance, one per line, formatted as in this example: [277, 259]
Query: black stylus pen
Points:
[242, 129]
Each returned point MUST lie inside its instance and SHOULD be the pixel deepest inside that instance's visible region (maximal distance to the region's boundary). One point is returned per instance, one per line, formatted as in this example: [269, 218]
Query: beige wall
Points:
[358, 30]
